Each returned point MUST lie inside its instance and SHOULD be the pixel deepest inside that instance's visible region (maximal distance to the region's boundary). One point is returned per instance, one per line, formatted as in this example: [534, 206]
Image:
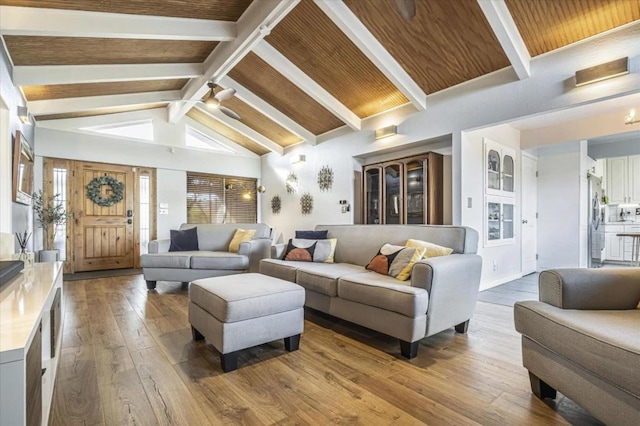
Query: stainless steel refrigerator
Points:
[595, 251]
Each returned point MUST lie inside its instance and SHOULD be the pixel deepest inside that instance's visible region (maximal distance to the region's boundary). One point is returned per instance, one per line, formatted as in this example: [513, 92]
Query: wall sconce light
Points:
[631, 118]
[23, 114]
[246, 195]
[228, 186]
[385, 132]
[602, 72]
[298, 159]
[261, 189]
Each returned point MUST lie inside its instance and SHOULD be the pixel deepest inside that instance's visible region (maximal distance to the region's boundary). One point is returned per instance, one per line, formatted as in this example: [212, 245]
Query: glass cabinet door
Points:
[508, 173]
[372, 193]
[507, 221]
[415, 196]
[494, 230]
[493, 170]
[393, 194]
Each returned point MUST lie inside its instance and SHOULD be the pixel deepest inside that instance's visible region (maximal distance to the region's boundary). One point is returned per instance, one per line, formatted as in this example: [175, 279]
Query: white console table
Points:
[31, 318]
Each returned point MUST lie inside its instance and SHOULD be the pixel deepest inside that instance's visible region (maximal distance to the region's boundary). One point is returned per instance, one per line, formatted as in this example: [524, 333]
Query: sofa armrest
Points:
[256, 250]
[591, 288]
[159, 246]
[452, 283]
[277, 250]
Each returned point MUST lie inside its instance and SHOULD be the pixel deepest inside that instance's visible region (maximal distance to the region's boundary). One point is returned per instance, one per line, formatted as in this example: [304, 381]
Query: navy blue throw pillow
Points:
[312, 235]
[185, 240]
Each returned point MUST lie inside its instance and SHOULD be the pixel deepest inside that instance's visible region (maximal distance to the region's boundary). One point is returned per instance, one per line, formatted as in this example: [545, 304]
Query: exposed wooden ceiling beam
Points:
[358, 33]
[61, 106]
[73, 74]
[504, 27]
[244, 129]
[32, 21]
[284, 66]
[254, 24]
[265, 108]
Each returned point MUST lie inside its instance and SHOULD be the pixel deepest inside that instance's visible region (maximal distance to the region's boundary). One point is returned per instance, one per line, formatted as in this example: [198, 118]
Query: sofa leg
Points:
[151, 285]
[292, 343]
[408, 349]
[185, 283]
[541, 389]
[197, 336]
[462, 327]
[229, 362]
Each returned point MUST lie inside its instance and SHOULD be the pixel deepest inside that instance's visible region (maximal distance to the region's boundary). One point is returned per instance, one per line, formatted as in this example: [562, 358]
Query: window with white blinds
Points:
[220, 199]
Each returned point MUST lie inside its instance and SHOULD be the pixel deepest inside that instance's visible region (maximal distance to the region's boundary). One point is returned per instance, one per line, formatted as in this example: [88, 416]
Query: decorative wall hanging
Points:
[306, 203]
[276, 204]
[115, 187]
[291, 183]
[325, 178]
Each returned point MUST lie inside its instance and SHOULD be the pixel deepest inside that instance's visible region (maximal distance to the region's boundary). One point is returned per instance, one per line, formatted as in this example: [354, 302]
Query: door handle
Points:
[129, 221]
[525, 221]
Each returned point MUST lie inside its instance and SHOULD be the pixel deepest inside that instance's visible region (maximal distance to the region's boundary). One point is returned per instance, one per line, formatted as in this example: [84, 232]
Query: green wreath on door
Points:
[117, 191]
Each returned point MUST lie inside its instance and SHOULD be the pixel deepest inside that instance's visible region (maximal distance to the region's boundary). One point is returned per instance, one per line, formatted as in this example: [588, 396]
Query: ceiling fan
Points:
[405, 8]
[213, 100]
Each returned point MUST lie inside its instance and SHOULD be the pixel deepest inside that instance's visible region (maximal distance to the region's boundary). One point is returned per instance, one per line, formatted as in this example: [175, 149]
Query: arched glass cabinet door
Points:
[373, 191]
[393, 211]
[508, 174]
[493, 170]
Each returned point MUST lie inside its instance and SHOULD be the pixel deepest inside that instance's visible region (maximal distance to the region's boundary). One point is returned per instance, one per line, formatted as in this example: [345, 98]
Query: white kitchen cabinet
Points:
[623, 180]
[613, 247]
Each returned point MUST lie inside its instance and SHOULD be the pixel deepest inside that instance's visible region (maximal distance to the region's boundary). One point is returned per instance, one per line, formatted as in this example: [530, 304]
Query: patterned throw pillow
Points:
[311, 250]
[396, 261]
[432, 250]
[241, 236]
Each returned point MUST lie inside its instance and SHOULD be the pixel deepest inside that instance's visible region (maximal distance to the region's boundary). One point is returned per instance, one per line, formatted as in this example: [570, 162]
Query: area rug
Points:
[101, 274]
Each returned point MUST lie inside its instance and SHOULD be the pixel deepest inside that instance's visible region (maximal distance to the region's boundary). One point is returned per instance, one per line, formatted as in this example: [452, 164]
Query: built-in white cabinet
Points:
[499, 225]
[623, 180]
[619, 248]
[500, 169]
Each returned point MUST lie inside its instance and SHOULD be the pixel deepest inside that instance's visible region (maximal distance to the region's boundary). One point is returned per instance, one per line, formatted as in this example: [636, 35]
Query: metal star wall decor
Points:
[306, 203]
[276, 204]
[291, 183]
[325, 178]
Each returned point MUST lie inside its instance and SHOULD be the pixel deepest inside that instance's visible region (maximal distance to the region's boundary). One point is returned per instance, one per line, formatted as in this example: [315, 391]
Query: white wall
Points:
[506, 258]
[172, 186]
[559, 206]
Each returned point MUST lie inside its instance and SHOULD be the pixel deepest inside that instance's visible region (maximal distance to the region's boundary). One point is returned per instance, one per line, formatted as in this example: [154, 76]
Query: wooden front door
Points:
[103, 234]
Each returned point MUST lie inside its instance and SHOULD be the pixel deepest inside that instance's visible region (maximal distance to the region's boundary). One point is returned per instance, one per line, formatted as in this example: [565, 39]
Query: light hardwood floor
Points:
[128, 358]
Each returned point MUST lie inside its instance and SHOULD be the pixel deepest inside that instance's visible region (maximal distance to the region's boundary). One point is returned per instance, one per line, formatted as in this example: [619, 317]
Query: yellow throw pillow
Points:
[241, 236]
[431, 250]
[395, 261]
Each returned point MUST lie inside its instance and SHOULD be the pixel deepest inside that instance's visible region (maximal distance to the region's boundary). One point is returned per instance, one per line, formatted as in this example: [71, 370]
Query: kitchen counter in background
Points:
[616, 248]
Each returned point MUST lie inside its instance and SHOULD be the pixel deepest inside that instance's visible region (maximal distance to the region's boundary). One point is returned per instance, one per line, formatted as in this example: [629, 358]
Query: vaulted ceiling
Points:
[301, 68]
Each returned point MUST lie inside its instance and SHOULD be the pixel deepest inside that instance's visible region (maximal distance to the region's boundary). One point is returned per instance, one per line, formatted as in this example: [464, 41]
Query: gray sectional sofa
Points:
[211, 260]
[440, 294]
[583, 339]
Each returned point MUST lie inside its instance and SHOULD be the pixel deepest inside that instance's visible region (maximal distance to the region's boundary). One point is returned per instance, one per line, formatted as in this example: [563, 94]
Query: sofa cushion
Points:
[184, 240]
[244, 296]
[240, 236]
[604, 342]
[432, 250]
[323, 278]
[180, 259]
[219, 260]
[312, 235]
[384, 292]
[311, 250]
[396, 261]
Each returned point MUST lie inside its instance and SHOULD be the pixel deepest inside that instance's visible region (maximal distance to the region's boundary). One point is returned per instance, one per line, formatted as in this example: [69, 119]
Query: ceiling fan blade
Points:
[225, 94]
[405, 8]
[229, 112]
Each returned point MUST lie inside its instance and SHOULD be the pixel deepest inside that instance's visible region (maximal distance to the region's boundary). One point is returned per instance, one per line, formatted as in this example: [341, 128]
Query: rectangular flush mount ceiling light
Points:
[602, 71]
[385, 132]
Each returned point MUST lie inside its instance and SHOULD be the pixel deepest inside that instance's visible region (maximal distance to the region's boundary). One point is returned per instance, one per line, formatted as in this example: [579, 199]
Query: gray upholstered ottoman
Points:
[236, 312]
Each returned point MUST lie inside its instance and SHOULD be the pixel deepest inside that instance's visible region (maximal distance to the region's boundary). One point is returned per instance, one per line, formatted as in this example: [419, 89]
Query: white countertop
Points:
[21, 303]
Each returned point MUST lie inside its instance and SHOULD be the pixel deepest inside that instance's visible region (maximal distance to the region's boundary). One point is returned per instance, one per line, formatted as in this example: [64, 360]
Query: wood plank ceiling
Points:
[446, 43]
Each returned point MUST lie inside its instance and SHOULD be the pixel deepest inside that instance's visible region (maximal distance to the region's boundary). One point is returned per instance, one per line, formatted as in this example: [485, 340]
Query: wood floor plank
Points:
[128, 358]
